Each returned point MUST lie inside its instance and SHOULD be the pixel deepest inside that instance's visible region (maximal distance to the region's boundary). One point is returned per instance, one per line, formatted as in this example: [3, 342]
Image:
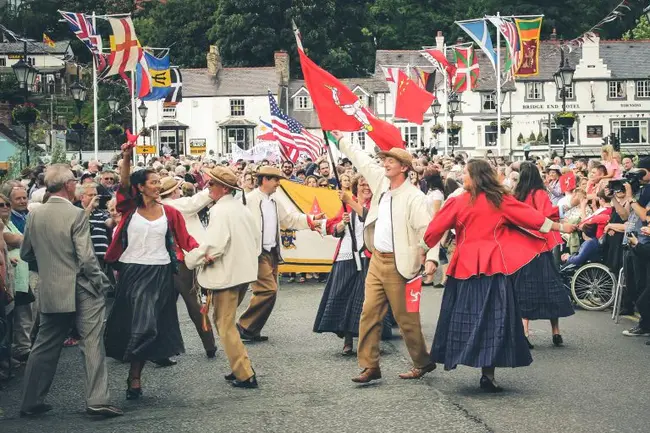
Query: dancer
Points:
[397, 219]
[538, 285]
[228, 262]
[148, 244]
[480, 324]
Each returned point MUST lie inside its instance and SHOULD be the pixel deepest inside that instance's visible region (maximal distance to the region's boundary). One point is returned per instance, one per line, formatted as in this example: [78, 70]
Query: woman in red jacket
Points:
[480, 324]
[143, 324]
[540, 291]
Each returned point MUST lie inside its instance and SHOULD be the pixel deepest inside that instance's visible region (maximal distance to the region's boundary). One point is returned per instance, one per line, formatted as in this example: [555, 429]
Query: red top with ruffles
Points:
[126, 205]
[539, 200]
[489, 240]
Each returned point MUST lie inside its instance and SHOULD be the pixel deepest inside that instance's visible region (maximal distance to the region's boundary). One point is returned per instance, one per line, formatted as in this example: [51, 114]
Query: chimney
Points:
[214, 60]
[440, 41]
[591, 49]
[554, 35]
[282, 67]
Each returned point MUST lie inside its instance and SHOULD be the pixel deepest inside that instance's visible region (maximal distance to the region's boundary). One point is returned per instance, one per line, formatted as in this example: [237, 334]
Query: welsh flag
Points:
[467, 69]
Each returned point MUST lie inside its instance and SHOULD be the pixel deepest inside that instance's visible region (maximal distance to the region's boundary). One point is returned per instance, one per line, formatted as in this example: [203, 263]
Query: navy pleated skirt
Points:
[143, 324]
[342, 301]
[540, 291]
[480, 325]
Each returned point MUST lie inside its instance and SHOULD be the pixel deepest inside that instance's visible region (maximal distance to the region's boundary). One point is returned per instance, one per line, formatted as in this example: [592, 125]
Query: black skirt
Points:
[342, 301]
[540, 291]
[143, 324]
[480, 325]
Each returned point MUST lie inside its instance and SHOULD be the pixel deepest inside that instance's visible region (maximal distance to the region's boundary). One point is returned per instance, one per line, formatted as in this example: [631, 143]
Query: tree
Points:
[641, 31]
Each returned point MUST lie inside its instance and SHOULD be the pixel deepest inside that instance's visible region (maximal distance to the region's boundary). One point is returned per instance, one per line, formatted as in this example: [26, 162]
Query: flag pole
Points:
[158, 128]
[355, 248]
[498, 96]
[446, 80]
[95, 98]
[134, 119]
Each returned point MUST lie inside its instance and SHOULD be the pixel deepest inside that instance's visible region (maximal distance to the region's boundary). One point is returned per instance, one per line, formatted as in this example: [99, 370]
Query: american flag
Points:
[293, 138]
[86, 33]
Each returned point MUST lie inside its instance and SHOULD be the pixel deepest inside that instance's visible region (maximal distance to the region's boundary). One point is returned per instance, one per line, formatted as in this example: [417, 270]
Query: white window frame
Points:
[570, 92]
[613, 88]
[169, 113]
[488, 98]
[3, 61]
[241, 143]
[492, 131]
[617, 126]
[302, 103]
[642, 89]
[547, 130]
[237, 107]
[534, 91]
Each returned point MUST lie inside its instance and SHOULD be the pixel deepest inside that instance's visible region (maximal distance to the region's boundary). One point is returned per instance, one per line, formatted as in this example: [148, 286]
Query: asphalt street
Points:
[598, 382]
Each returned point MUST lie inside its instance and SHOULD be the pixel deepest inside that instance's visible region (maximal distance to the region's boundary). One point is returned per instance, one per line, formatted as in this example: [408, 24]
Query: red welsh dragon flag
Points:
[467, 70]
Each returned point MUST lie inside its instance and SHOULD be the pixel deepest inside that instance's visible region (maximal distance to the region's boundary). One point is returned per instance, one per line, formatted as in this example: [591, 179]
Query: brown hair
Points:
[484, 180]
[354, 185]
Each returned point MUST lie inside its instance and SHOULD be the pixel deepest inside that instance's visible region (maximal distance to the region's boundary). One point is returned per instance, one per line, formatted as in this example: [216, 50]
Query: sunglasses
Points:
[2, 205]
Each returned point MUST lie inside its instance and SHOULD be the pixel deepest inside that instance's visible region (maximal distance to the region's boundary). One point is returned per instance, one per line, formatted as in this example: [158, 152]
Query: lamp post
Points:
[563, 80]
[114, 106]
[26, 77]
[453, 105]
[435, 107]
[143, 110]
[79, 95]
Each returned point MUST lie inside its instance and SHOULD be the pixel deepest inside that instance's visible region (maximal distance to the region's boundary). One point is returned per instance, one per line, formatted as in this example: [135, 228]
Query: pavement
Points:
[598, 382]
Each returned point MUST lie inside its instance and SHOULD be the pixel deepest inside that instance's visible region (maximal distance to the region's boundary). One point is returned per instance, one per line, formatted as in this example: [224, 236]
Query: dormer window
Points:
[302, 102]
[363, 96]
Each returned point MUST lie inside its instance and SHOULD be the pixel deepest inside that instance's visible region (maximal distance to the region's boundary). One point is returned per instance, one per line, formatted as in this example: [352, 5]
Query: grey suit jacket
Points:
[57, 237]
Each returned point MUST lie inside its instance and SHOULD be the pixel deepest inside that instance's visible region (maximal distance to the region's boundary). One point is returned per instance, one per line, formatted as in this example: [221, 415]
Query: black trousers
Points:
[637, 290]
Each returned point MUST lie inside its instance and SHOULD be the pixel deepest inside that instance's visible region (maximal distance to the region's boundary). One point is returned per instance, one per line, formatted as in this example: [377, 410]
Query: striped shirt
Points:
[99, 233]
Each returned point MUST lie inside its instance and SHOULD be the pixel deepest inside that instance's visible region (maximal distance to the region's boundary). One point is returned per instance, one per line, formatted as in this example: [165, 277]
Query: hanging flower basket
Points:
[565, 119]
[114, 130]
[79, 126]
[25, 113]
[505, 124]
[437, 129]
[454, 128]
[145, 132]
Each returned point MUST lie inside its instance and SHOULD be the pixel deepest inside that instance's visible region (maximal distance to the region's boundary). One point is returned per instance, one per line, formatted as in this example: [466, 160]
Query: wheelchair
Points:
[592, 285]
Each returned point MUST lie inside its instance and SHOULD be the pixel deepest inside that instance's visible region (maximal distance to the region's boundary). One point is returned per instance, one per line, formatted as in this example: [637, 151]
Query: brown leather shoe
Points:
[416, 373]
[367, 375]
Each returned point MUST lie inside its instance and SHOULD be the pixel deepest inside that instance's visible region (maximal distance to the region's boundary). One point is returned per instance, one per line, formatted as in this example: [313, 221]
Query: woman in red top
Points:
[143, 323]
[479, 323]
[538, 285]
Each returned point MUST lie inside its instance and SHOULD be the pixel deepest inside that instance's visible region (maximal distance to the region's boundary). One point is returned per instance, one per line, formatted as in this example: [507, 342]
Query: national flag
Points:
[391, 75]
[412, 101]
[293, 138]
[439, 59]
[529, 31]
[265, 131]
[125, 48]
[467, 70]
[175, 94]
[85, 31]
[478, 31]
[143, 84]
[338, 108]
[510, 34]
[48, 41]
[160, 76]
[423, 78]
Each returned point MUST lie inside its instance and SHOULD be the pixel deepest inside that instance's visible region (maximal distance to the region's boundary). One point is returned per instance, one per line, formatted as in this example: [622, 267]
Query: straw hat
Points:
[169, 185]
[401, 155]
[270, 171]
[224, 176]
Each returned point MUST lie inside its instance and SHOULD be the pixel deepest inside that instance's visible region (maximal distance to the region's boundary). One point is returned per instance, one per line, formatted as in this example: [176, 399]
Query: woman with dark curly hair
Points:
[143, 324]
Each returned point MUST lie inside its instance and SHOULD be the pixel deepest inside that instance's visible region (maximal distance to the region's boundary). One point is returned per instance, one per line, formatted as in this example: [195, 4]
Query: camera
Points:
[102, 201]
[632, 177]
[632, 234]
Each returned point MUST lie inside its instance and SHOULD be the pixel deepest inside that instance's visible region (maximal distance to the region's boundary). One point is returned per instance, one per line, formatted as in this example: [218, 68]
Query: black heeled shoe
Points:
[132, 393]
[489, 386]
[557, 340]
[530, 345]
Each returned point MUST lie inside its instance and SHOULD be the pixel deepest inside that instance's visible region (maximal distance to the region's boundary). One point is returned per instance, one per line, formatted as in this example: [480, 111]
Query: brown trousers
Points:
[384, 286]
[265, 291]
[184, 282]
[225, 303]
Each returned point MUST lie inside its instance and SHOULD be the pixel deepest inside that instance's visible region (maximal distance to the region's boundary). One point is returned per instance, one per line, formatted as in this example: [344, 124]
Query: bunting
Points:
[478, 31]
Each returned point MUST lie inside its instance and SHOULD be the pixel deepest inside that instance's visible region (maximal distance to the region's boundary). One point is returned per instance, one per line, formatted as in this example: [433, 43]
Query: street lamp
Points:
[78, 92]
[26, 77]
[114, 106]
[436, 106]
[143, 110]
[453, 105]
[563, 80]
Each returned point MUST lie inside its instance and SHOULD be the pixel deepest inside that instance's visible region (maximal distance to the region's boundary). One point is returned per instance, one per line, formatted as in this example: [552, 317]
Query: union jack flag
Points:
[293, 138]
[84, 30]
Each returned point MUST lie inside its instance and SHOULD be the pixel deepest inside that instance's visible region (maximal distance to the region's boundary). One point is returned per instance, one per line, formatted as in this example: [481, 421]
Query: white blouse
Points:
[345, 252]
[146, 241]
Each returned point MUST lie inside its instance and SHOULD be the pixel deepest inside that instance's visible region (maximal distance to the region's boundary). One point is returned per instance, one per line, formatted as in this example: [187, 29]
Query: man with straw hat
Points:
[189, 207]
[269, 219]
[228, 263]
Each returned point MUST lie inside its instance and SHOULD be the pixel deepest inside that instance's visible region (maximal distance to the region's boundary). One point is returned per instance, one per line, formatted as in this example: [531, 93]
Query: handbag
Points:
[24, 298]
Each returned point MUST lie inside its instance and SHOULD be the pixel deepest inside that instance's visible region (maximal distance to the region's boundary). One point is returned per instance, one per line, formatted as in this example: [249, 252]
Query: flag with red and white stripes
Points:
[293, 138]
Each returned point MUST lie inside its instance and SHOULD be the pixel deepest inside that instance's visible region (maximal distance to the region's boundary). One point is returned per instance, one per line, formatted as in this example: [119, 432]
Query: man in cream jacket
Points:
[396, 222]
[269, 218]
[227, 262]
[189, 207]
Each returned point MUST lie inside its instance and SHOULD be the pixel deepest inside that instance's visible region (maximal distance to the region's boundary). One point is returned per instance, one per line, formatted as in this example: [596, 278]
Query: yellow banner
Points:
[145, 150]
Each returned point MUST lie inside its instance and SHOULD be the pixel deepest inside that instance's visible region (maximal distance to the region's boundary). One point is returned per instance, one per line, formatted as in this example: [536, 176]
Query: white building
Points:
[610, 94]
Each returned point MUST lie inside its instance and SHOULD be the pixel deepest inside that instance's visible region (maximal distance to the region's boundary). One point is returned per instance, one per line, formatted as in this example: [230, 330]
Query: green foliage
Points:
[540, 137]
[641, 31]
[520, 138]
[531, 137]
[58, 154]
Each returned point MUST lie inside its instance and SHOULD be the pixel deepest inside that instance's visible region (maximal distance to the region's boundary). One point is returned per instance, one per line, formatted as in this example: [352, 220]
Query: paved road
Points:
[597, 383]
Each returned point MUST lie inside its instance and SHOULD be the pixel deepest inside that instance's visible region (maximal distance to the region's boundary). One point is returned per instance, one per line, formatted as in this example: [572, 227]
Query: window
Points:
[168, 141]
[31, 61]
[556, 134]
[631, 131]
[410, 135]
[534, 91]
[3, 61]
[236, 136]
[302, 103]
[362, 97]
[169, 113]
[487, 102]
[361, 136]
[237, 107]
[642, 88]
[616, 89]
[491, 133]
[569, 92]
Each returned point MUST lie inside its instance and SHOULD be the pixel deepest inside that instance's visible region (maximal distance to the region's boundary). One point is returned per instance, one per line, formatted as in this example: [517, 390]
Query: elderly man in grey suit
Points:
[72, 286]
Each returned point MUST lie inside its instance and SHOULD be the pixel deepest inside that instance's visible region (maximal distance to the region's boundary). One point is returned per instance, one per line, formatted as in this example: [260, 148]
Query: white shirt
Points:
[564, 204]
[269, 223]
[146, 241]
[384, 226]
[345, 251]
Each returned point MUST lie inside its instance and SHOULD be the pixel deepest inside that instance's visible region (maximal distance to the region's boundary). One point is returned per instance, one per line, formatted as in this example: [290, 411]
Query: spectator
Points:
[589, 250]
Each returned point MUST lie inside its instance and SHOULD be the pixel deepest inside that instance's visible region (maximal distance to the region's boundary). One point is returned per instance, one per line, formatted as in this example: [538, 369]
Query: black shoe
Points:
[637, 331]
[626, 312]
[530, 345]
[105, 410]
[647, 343]
[557, 340]
[489, 386]
[250, 383]
[211, 353]
[247, 336]
[36, 410]
[439, 286]
[164, 362]
[230, 377]
[132, 393]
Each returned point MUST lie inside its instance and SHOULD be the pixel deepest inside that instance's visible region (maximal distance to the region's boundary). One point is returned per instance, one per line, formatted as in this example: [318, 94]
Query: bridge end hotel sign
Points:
[558, 106]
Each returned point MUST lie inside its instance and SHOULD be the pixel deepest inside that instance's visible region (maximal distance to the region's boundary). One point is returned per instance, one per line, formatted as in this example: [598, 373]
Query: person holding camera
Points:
[94, 206]
[637, 194]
